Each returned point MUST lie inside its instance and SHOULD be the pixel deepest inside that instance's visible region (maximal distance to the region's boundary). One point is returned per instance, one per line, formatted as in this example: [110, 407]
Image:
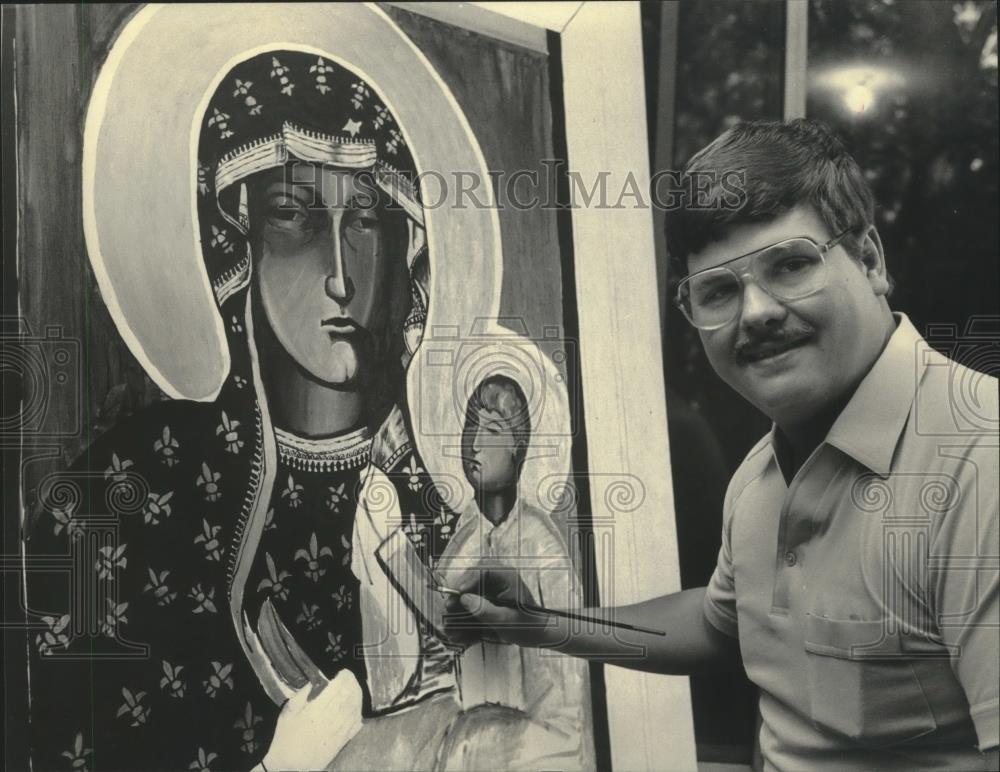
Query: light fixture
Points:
[859, 85]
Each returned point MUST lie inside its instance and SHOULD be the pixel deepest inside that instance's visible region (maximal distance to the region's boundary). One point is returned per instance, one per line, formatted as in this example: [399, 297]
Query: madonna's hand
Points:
[315, 724]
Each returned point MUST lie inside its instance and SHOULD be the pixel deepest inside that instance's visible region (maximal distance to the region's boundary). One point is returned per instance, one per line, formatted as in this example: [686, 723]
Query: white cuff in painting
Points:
[315, 724]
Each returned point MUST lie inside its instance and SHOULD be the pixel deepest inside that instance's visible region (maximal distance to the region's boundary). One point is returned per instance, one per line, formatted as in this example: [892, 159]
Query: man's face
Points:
[489, 451]
[795, 359]
[321, 255]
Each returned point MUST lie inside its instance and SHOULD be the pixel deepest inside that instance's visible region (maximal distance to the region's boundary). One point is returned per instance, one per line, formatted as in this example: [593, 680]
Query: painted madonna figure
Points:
[232, 598]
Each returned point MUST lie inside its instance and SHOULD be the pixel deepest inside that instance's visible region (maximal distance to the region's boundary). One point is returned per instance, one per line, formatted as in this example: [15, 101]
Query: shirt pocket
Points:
[862, 683]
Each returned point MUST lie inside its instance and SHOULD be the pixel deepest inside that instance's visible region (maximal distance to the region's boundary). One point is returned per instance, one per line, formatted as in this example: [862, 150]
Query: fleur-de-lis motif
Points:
[309, 616]
[443, 522]
[208, 481]
[312, 556]
[166, 447]
[55, 636]
[108, 559]
[203, 186]
[113, 616]
[341, 597]
[248, 734]
[117, 471]
[361, 93]
[204, 599]
[231, 437]
[292, 492]
[65, 518]
[77, 755]
[269, 520]
[157, 585]
[346, 544]
[321, 68]
[220, 677]
[157, 505]
[335, 497]
[334, 647]
[220, 120]
[275, 581]
[203, 761]
[394, 141]
[220, 239]
[133, 707]
[381, 117]
[414, 531]
[172, 683]
[249, 101]
[279, 71]
[413, 471]
[208, 538]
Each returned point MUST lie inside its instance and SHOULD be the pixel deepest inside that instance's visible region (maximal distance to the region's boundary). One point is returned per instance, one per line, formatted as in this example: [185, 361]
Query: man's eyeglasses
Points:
[789, 270]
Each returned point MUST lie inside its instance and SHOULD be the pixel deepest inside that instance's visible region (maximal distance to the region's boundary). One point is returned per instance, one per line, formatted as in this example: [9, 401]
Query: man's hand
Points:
[491, 608]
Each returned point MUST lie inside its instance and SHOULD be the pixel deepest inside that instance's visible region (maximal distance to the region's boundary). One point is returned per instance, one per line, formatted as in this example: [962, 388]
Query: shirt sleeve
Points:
[720, 595]
[964, 584]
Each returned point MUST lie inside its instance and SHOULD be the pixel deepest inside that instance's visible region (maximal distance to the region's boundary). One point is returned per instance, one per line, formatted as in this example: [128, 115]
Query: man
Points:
[858, 573]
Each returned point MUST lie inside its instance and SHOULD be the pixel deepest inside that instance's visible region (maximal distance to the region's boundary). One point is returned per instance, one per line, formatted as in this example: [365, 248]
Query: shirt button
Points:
[790, 559]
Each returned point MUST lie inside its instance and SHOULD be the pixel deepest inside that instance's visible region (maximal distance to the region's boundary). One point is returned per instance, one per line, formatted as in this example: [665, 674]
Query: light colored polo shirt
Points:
[864, 592]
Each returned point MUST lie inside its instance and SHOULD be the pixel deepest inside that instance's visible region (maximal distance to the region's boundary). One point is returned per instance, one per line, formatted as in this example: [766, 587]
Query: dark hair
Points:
[503, 395]
[770, 167]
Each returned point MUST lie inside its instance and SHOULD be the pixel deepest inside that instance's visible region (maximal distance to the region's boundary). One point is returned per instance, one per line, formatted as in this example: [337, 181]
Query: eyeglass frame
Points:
[821, 248]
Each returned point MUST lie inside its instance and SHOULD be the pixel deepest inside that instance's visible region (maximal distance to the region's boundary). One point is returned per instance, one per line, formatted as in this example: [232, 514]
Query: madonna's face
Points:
[321, 252]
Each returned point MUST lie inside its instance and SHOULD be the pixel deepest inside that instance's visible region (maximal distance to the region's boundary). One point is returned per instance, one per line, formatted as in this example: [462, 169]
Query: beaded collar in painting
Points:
[348, 451]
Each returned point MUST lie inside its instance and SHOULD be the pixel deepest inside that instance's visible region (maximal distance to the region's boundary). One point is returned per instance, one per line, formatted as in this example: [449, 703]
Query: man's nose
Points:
[759, 308]
[339, 286]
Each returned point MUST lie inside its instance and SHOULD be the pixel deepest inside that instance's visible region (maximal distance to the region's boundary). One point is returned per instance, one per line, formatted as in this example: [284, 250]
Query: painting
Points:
[326, 365]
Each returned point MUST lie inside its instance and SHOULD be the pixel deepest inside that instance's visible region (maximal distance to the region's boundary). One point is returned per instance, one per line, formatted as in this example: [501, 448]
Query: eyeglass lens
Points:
[787, 271]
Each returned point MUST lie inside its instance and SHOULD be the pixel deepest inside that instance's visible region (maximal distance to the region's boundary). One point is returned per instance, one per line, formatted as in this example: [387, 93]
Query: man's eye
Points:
[714, 294]
[793, 264]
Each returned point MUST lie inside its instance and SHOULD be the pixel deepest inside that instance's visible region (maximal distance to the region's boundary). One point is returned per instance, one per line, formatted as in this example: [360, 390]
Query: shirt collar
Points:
[869, 428]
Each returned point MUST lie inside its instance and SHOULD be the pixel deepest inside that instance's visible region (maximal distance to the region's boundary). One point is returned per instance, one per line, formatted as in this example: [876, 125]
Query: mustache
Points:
[750, 344]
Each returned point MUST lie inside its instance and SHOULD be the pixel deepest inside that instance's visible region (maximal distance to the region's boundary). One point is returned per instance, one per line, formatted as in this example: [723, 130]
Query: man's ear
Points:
[873, 260]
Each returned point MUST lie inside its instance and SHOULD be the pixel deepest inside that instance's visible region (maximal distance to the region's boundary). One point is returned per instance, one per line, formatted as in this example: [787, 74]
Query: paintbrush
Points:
[555, 612]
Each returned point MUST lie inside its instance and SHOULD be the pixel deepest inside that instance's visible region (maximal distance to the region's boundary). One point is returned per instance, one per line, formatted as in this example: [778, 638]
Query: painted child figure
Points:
[522, 708]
